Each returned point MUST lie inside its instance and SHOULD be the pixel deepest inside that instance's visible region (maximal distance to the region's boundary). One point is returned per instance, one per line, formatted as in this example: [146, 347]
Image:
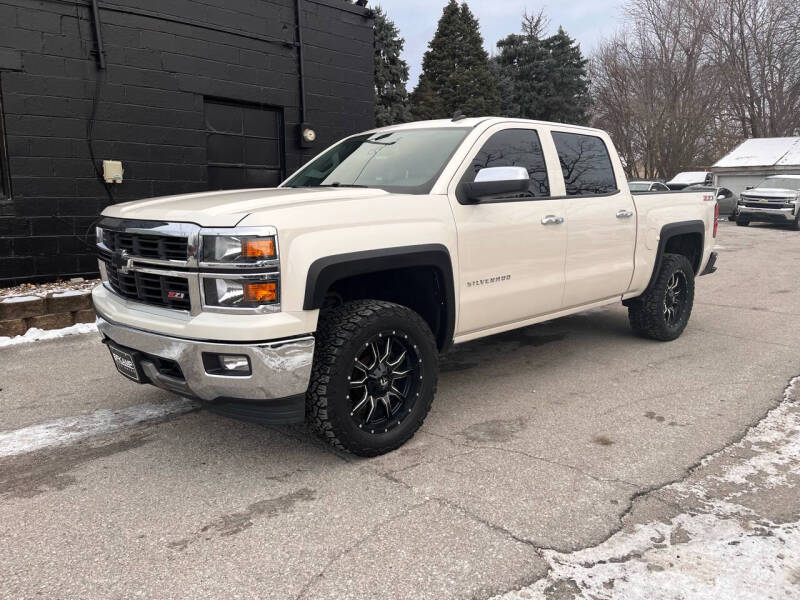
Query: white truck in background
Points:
[329, 298]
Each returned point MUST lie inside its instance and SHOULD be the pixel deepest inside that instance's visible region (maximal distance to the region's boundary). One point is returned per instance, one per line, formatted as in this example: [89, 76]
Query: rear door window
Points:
[514, 148]
[585, 164]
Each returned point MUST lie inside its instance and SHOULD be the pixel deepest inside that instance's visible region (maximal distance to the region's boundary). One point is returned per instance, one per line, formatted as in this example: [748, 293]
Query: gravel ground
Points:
[42, 289]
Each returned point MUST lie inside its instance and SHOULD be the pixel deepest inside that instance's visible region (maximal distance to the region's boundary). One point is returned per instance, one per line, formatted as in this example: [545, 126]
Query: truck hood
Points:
[769, 193]
[227, 208]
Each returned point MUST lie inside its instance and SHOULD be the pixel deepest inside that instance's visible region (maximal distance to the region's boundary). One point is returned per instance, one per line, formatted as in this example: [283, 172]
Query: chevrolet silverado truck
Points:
[775, 200]
[329, 298]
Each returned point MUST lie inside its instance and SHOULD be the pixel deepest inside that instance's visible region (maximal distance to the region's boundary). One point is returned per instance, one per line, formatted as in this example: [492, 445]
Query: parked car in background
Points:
[775, 200]
[687, 178]
[726, 199]
[643, 185]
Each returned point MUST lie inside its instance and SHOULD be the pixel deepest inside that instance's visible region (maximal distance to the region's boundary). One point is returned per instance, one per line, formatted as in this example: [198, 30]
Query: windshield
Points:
[639, 186]
[783, 183]
[405, 161]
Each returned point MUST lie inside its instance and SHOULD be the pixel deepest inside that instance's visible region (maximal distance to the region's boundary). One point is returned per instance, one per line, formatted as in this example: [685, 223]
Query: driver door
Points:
[511, 250]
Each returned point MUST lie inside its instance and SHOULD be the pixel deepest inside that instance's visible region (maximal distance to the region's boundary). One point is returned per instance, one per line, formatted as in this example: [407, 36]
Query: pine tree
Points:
[455, 70]
[569, 100]
[547, 75]
[391, 73]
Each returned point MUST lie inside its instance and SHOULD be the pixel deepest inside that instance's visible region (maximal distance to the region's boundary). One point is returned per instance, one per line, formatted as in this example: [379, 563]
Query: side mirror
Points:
[497, 181]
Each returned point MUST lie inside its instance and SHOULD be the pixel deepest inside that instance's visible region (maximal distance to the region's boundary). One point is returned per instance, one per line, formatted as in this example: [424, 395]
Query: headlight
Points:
[241, 293]
[238, 249]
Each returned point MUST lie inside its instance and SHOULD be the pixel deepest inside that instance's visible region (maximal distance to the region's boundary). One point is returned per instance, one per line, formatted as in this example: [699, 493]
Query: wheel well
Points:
[421, 288]
[689, 245]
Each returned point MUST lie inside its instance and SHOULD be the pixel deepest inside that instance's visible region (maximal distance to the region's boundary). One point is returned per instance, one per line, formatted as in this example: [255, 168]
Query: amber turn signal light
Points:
[260, 292]
[258, 248]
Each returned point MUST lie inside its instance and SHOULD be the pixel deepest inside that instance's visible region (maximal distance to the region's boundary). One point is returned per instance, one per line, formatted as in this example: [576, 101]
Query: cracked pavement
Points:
[568, 459]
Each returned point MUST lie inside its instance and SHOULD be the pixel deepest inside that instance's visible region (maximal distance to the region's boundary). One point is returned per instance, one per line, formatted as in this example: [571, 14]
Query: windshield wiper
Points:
[337, 184]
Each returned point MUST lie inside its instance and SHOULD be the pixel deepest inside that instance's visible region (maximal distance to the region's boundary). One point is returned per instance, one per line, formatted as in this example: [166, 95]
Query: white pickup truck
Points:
[329, 298]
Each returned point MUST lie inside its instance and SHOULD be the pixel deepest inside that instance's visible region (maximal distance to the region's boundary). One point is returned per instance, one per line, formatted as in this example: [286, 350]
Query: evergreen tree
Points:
[455, 70]
[547, 75]
[569, 100]
[391, 73]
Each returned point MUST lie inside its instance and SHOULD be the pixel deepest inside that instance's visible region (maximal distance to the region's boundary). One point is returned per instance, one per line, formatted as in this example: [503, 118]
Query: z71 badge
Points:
[488, 280]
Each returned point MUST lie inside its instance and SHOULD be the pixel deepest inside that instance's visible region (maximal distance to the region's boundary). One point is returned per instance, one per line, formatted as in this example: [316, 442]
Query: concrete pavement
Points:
[542, 442]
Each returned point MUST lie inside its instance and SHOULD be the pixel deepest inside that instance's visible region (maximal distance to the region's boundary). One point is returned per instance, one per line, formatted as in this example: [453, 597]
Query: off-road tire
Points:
[795, 226]
[341, 333]
[646, 313]
[742, 222]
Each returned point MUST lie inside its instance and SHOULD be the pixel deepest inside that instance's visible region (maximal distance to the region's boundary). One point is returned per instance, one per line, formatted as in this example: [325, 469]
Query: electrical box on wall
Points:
[112, 171]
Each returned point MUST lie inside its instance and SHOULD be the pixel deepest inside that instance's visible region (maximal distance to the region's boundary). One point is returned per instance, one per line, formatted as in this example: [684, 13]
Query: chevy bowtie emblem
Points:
[122, 261]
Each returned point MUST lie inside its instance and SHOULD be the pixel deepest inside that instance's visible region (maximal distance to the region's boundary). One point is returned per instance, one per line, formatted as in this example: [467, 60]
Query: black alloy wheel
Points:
[384, 382]
[675, 298]
[663, 311]
[374, 376]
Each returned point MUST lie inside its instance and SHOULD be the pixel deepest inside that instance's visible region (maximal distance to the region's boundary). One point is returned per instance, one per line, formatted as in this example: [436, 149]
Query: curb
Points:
[55, 310]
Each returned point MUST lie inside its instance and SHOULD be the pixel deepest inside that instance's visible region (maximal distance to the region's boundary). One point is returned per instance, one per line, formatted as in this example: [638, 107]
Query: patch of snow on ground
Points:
[71, 429]
[723, 551]
[34, 334]
[15, 299]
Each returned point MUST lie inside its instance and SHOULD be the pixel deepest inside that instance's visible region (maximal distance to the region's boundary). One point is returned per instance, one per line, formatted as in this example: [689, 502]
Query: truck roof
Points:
[471, 122]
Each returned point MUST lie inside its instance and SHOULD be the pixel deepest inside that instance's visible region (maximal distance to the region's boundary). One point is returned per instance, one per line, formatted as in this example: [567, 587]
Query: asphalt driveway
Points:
[563, 438]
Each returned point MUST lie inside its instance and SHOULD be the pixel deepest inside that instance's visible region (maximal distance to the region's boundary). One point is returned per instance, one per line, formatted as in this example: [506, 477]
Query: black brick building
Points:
[190, 95]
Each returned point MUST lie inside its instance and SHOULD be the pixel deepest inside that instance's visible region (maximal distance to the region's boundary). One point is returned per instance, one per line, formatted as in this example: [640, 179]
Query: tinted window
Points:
[514, 148]
[585, 164]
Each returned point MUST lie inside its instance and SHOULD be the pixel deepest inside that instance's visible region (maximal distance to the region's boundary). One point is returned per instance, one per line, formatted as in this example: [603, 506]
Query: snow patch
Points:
[71, 429]
[16, 299]
[34, 334]
[69, 293]
[724, 551]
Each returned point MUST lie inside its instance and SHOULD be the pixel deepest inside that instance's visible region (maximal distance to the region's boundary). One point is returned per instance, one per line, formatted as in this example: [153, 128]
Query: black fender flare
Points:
[669, 231]
[327, 270]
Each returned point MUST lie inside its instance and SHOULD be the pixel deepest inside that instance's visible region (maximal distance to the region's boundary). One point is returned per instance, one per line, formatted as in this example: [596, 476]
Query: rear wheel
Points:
[663, 311]
[374, 376]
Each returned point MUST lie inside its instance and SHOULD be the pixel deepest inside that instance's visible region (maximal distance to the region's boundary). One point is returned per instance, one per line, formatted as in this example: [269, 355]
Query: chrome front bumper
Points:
[280, 369]
[768, 214]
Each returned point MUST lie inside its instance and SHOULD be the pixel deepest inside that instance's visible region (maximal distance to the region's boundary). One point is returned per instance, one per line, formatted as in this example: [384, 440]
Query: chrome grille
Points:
[145, 245]
[779, 204]
[159, 290]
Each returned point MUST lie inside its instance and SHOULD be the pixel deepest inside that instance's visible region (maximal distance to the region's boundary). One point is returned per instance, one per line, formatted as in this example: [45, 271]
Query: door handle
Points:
[552, 220]
[624, 214]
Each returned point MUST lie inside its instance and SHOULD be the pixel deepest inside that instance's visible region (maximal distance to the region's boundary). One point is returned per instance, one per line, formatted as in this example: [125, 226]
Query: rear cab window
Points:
[585, 164]
[514, 148]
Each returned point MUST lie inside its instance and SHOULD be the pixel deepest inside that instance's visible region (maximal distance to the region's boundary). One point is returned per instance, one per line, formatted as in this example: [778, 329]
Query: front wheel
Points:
[663, 311]
[374, 376]
[742, 222]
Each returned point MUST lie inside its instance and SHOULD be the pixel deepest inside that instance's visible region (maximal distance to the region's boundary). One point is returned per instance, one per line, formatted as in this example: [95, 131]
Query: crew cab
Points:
[329, 298]
[775, 200]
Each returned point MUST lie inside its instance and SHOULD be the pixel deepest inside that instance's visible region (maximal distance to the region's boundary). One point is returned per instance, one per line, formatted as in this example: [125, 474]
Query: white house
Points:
[756, 158]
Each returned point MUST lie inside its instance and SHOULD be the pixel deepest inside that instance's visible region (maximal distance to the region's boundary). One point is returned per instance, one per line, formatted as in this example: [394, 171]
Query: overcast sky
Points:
[585, 20]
